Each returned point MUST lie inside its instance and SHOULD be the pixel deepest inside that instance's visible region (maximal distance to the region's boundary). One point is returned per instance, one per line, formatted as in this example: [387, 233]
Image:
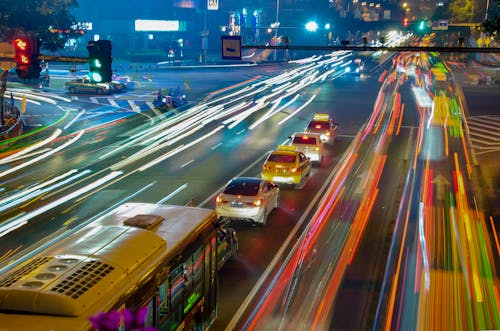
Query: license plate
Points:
[279, 179]
[236, 204]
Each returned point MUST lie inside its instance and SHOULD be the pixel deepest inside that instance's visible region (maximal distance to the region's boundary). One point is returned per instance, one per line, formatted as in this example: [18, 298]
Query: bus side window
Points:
[163, 300]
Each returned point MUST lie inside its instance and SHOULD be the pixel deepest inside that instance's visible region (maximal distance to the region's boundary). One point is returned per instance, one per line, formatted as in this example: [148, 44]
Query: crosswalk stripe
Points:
[93, 99]
[114, 103]
[134, 106]
[484, 135]
[74, 97]
[480, 143]
[488, 121]
[490, 132]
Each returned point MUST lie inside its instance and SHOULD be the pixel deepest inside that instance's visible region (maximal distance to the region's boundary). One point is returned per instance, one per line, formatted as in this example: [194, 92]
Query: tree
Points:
[492, 25]
[37, 17]
[461, 11]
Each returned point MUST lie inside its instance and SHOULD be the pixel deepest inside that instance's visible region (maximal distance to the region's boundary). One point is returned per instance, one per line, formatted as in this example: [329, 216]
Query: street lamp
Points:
[311, 26]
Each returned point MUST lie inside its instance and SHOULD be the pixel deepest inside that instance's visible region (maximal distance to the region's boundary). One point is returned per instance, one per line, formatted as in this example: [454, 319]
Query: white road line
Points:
[240, 132]
[486, 140]
[93, 99]
[133, 106]
[214, 147]
[187, 163]
[476, 127]
[113, 103]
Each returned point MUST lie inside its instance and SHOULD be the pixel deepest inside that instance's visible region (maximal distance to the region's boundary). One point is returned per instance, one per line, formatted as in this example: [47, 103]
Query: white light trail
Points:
[41, 157]
[22, 219]
[17, 155]
[74, 119]
[174, 193]
[298, 109]
[37, 190]
[178, 150]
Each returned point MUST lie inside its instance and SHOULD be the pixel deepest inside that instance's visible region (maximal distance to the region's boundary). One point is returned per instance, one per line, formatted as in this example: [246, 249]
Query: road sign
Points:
[231, 47]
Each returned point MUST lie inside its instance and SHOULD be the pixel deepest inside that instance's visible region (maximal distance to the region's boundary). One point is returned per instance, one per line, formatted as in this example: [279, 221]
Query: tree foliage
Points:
[461, 11]
[36, 17]
[492, 25]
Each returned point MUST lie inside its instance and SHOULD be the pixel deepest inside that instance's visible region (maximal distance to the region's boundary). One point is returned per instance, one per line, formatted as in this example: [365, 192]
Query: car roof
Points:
[285, 152]
[306, 134]
[321, 117]
[239, 180]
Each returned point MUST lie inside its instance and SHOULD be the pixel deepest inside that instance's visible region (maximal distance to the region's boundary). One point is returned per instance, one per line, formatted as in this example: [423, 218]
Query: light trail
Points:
[33, 147]
[24, 218]
[41, 157]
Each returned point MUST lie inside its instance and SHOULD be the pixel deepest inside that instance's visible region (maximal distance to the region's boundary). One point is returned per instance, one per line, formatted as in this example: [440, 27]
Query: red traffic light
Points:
[26, 57]
[21, 44]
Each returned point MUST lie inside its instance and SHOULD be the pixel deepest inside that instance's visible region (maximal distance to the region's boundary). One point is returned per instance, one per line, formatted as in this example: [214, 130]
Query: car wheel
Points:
[72, 90]
[99, 91]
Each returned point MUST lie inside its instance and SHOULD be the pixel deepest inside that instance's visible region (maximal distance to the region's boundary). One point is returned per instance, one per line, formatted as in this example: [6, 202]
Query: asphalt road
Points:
[119, 141]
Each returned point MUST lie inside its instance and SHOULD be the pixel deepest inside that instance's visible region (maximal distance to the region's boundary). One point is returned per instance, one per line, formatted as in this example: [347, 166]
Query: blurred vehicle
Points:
[117, 86]
[356, 67]
[171, 100]
[85, 85]
[308, 143]
[324, 126]
[286, 165]
[125, 80]
[247, 198]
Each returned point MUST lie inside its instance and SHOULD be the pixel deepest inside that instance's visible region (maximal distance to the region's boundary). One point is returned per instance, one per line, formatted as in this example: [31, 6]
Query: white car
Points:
[248, 199]
[310, 144]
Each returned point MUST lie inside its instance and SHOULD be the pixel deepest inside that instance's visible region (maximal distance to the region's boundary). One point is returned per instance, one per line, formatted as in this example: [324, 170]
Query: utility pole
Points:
[276, 26]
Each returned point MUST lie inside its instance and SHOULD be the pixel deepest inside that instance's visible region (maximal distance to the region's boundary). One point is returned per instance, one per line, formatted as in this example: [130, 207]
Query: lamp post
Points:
[276, 27]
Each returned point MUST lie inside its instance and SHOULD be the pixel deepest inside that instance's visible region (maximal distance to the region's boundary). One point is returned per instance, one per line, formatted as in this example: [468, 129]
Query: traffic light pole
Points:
[3, 87]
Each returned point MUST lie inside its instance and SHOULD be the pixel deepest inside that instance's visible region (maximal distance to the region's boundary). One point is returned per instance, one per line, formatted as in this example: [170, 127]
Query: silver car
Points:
[247, 198]
[310, 144]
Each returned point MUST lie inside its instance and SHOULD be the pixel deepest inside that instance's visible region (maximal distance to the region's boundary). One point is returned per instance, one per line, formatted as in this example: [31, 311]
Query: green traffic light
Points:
[421, 26]
[96, 77]
[97, 63]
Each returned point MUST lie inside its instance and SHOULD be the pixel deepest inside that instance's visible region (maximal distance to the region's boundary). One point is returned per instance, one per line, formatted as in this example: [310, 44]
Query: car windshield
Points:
[318, 125]
[248, 187]
[304, 140]
[281, 158]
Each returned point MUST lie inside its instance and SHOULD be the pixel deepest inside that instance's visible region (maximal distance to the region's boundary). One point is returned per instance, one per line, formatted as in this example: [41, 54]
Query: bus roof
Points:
[87, 272]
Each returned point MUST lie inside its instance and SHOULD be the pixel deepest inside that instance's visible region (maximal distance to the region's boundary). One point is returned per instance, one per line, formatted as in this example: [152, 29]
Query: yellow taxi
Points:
[286, 165]
[324, 126]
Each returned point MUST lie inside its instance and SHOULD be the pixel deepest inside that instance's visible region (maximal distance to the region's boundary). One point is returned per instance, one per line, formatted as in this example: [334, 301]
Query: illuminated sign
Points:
[156, 25]
[213, 4]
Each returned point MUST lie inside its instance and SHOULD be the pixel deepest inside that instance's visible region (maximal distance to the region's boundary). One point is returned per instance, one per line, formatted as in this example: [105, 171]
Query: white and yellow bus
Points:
[162, 257]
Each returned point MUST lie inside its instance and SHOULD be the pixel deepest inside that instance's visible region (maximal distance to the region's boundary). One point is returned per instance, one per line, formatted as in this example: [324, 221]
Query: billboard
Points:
[156, 25]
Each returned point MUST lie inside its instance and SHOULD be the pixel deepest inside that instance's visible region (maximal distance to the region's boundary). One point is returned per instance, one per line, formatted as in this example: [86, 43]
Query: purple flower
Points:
[106, 321]
[134, 320]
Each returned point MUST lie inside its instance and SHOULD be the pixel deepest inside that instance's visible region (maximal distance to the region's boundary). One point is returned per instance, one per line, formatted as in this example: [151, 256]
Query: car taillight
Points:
[328, 133]
[318, 126]
[316, 149]
[266, 167]
[292, 170]
[255, 203]
[220, 200]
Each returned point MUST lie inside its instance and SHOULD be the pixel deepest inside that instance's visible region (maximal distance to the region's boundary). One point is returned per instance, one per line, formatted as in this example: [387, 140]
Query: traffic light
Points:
[421, 25]
[100, 61]
[27, 50]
